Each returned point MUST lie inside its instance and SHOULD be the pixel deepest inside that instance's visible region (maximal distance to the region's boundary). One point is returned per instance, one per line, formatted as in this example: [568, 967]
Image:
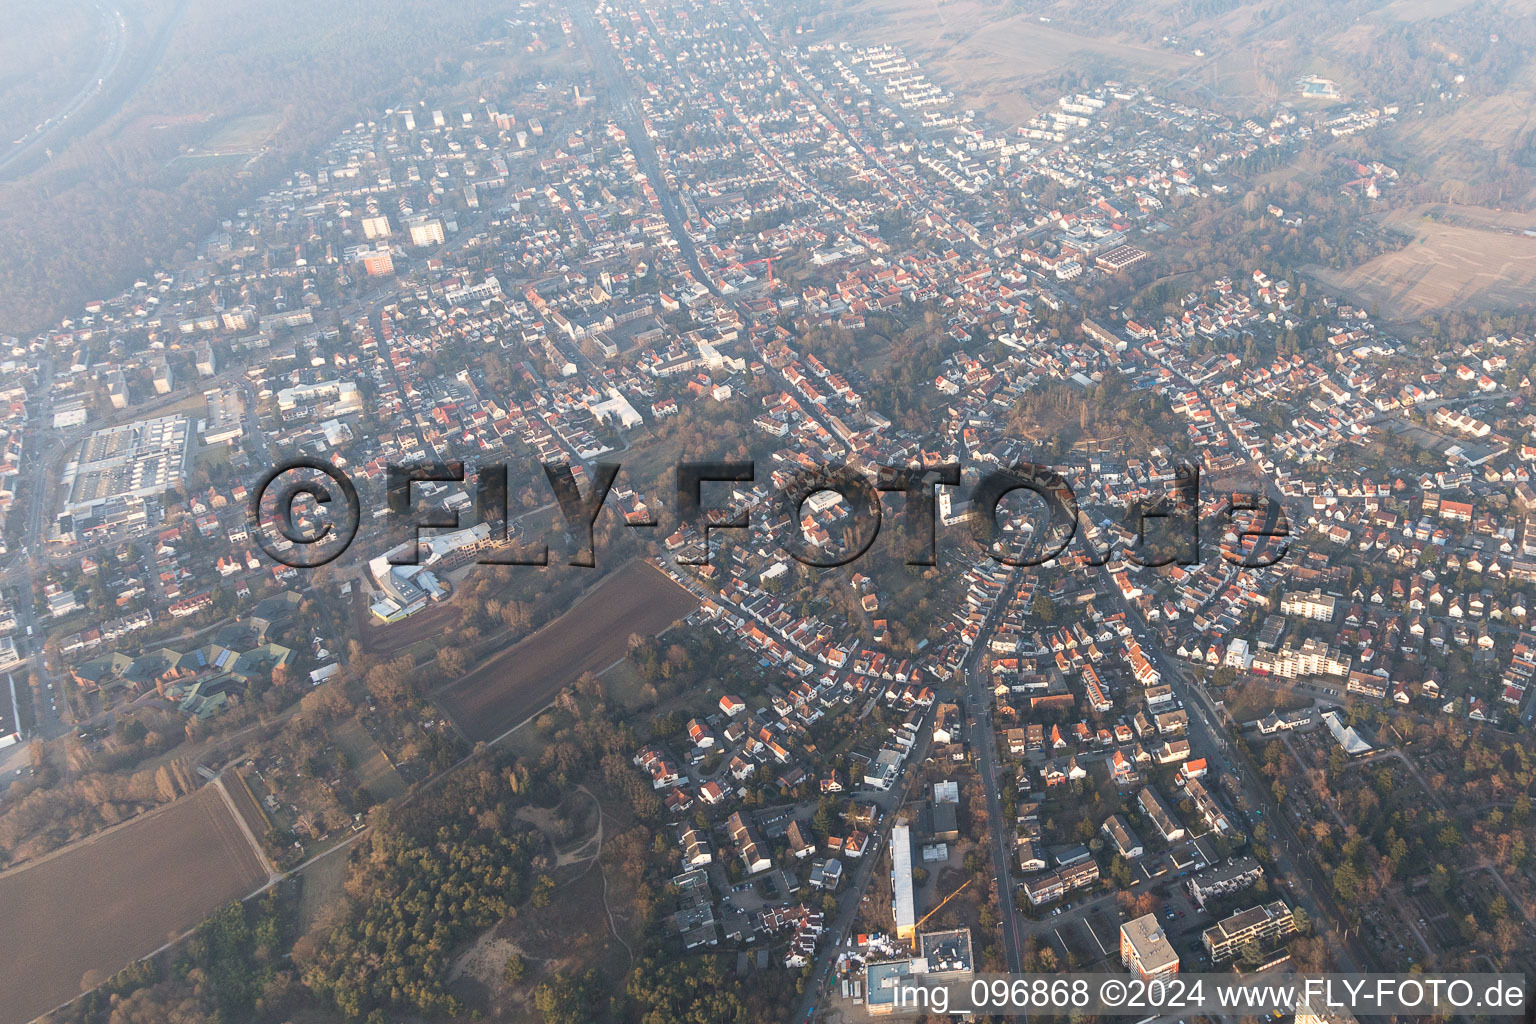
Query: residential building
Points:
[1262, 924]
[1145, 949]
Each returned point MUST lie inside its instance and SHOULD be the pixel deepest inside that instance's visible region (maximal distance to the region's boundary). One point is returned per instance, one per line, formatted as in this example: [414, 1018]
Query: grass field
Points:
[102, 903]
[1248, 701]
[373, 769]
[246, 805]
[1462, 257]
[624, 685]
[517, 682]
[324, 884]
[240, 135]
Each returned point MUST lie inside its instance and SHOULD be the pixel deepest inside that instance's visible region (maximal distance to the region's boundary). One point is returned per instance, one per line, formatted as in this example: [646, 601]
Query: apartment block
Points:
[1145, 948]
[1224, 939]
[1309, 604]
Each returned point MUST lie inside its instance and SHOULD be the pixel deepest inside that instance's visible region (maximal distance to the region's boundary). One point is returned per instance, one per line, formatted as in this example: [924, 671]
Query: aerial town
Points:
[1276, 721]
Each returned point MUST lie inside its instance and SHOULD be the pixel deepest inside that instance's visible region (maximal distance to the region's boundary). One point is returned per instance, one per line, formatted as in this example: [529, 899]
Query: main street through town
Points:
[1208, 734]
[984, 742]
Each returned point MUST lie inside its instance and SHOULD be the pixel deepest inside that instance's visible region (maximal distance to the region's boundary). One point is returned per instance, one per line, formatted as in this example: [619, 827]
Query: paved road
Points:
[985, 745]
[116, 29]
[838, 929]
[1207, 731]
[632, 118]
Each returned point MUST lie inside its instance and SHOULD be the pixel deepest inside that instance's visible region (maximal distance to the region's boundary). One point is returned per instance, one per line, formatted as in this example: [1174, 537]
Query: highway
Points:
[116, 29]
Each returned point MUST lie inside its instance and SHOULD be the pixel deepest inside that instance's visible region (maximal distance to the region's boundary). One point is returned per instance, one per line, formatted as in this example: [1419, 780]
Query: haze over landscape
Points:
[1199, 334]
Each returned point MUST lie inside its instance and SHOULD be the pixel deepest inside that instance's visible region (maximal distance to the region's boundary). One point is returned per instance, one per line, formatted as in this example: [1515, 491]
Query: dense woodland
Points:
[123, 199]
[1377, 833]
[431, 875]
[427, 880]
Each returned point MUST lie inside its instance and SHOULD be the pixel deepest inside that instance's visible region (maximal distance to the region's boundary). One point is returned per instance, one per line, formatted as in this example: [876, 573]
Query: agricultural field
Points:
[990, 60]
[138, 886]
[1457, 257]
[592, 635]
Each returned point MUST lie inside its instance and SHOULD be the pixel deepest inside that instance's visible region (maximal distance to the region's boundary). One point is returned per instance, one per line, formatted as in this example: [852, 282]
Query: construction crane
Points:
[766, 259]
[940, 907]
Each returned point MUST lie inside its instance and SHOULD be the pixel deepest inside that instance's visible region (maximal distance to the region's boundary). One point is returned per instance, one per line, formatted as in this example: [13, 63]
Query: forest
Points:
[454, 859]
[121, 199]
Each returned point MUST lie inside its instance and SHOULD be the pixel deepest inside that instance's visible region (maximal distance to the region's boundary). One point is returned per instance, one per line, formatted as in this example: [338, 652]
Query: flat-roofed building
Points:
[1224, 939]
[162, 376]
[128, 462]
[947, 955]
[1316, 1011]
[323, 399]
[224, 422]
[903, 902]
[1119, 258]
[1145, 949]
[1309, 604]
[425, 231]
[1235, 875]
[883, 981]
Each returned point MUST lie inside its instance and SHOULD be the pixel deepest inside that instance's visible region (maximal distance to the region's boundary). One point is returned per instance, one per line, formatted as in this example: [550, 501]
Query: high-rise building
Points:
[1145, 948]
[379, 264]
[161, 372]
[426, 231]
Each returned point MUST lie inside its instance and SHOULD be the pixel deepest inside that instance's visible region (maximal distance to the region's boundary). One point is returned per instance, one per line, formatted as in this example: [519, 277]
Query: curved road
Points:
[117, 39]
